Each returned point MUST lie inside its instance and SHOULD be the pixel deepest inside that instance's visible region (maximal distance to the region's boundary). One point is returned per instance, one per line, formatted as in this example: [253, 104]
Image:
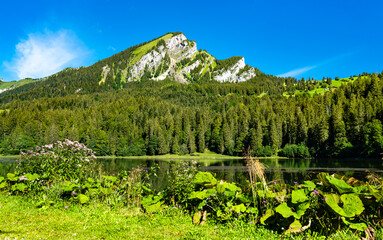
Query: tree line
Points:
[149, 117]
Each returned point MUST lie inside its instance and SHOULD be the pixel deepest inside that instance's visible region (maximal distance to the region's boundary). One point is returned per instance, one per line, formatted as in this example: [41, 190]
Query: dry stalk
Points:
[374, 179]
[256, 171]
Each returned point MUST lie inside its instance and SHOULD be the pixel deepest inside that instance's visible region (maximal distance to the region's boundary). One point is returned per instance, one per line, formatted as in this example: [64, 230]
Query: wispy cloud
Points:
[299, 71]
[296, 72]
[43, 54]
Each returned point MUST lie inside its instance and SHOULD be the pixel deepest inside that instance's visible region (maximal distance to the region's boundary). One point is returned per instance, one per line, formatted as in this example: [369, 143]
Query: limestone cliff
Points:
[174, 56]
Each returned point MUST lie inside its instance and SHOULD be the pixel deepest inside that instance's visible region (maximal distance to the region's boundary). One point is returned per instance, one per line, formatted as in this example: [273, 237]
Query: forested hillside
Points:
[171, 56]
[159, 117]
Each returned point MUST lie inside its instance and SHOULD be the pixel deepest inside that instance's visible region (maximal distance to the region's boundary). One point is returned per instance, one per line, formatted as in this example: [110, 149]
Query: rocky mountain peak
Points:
[175, 56]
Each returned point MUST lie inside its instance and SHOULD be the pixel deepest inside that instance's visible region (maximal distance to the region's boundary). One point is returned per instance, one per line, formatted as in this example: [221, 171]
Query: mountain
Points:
[165, 96]
[5, 86]
[171, 56]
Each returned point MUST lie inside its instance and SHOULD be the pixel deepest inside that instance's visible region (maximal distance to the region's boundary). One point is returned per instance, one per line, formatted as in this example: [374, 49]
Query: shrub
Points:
[61, 160]
[263, 151]
[184, 149]
[295, 151]
[180, 176]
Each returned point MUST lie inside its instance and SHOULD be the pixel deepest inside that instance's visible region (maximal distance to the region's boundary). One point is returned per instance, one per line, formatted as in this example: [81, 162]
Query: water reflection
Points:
[234, 170]
[7, 164]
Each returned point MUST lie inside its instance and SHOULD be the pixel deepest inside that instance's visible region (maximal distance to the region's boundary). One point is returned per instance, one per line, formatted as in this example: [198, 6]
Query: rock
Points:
[178, 48]
[231, 74]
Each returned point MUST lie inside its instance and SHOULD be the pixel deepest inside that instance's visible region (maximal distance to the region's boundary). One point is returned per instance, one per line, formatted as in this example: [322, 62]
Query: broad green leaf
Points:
[239, 208]
[287, 212]
[68, 186]
[294, 226]
[3, 185]
[152, 203]
[2, 179]
[341, 185]
[12, 177]
[298, 196]
[352, 205]
[154, 207]
[269, 213]
[201, 205]
[252, 210]
[19, 187]
[376, 193]
[205, 178]
[228, 188]
[83, 199]
[199, 195]
[284, 210]
[309, 184]
[243, 198]
[151, 199]
[32, 177]
[301, 209]
[358, 226]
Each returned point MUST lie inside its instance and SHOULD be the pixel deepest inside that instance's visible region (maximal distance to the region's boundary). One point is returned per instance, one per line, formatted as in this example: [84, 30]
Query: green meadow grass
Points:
[20, 219]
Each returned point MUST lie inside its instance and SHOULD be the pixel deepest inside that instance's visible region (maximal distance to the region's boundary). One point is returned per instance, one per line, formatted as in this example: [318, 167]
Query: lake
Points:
[234, 170]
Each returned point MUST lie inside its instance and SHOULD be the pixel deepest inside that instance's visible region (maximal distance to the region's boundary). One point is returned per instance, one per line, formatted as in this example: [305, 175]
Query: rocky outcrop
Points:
[177, 47]
[181, 52]
[189, 68]
[3, 90]
[105, 71]
[234, 74]
[150, 61]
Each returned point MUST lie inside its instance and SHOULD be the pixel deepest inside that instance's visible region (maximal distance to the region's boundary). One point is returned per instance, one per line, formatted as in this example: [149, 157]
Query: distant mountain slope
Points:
[170, 56]
[5, 86]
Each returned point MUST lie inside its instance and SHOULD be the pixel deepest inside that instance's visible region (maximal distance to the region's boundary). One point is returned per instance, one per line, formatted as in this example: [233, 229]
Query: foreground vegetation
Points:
[59, 187]
[22, 219]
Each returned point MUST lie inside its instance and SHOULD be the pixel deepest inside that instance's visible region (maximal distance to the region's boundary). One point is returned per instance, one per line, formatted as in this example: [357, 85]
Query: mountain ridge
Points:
[171, 56]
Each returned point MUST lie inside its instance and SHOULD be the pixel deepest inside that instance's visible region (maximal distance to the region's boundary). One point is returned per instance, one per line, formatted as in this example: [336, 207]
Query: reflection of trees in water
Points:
[114, 166]
[281, 170]
[6, 167]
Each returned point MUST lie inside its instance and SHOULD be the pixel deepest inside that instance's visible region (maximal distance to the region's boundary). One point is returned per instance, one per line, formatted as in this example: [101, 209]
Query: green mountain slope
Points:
[5, 86]
[171, 56]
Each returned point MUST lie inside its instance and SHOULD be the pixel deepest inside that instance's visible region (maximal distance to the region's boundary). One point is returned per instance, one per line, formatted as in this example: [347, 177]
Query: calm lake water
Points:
[288, 170]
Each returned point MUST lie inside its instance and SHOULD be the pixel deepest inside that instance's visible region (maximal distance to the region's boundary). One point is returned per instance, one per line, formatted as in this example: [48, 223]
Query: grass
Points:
[22, 220]
[141, 51]
[97, 221]
[15, 84]
[320, 90]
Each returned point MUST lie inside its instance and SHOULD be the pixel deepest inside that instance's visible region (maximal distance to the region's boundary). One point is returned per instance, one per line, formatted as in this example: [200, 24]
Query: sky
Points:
[310, 38]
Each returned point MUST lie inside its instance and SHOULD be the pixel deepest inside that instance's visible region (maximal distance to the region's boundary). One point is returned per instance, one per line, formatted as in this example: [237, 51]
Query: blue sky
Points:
[311, 38]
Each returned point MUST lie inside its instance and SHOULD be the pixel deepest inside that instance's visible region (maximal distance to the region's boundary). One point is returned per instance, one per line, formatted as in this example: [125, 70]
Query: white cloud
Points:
[296, 72]
[44, 54]
[299, 71]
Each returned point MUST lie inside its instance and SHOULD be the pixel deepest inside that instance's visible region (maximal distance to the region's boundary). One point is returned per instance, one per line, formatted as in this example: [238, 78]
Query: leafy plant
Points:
[180, 175]
[61, 160]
